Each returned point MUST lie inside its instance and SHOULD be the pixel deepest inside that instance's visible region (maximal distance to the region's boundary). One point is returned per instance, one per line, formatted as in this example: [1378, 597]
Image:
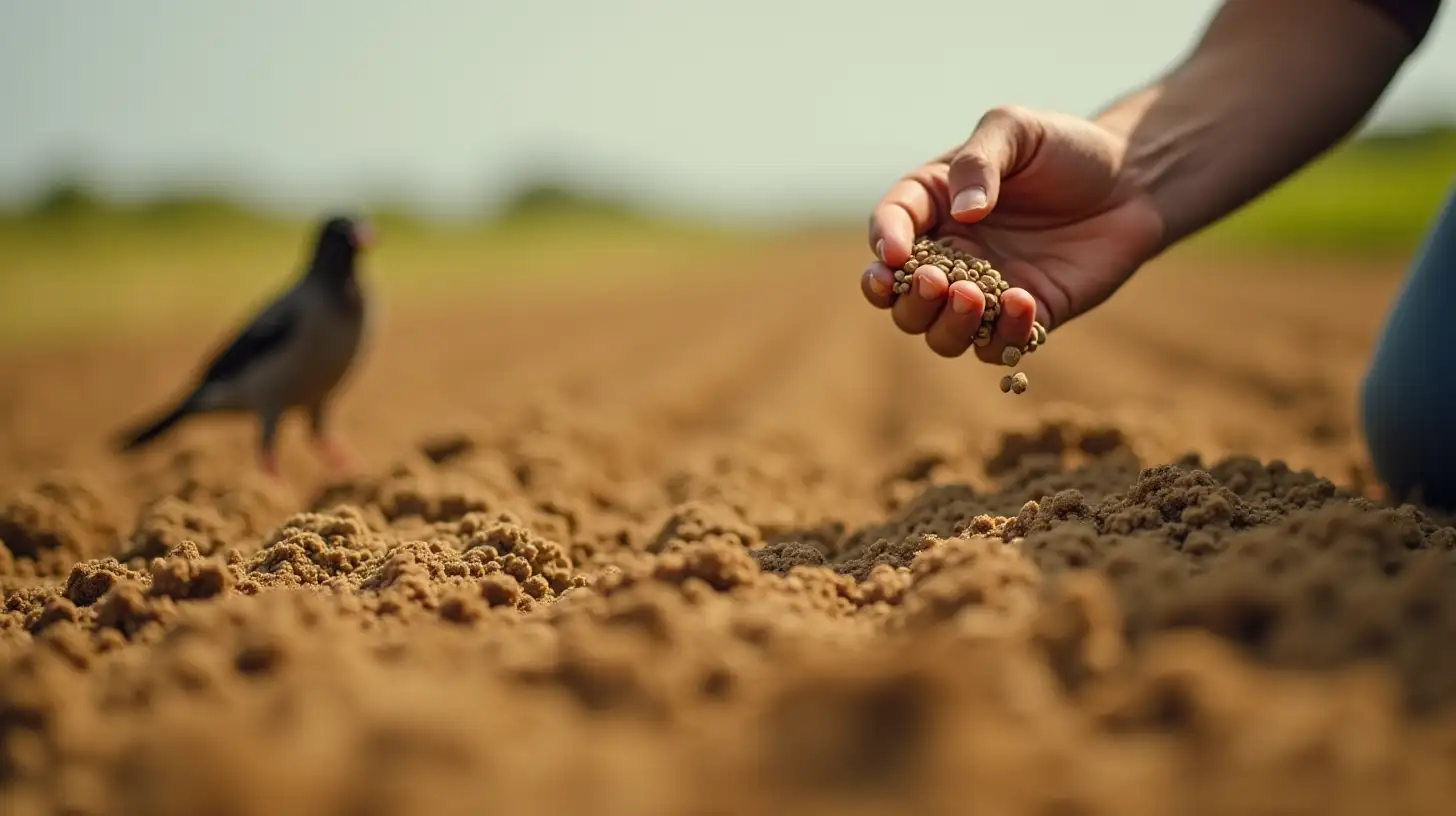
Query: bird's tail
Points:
[140, 435]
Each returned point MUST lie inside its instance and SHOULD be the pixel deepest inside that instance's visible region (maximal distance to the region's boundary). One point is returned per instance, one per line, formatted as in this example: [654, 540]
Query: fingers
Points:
[1013, 327]
[877, 284]
[949, 314]
[955, 329]
[916, 309]
[906, 211]
[1003, 140]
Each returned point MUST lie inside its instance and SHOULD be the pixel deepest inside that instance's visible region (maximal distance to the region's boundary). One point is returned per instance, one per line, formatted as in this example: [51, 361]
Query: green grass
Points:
[1372, 195]
[97, 273]
[74, 266]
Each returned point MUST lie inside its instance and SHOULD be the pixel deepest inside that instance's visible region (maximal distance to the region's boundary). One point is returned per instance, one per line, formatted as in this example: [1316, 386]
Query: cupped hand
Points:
[1044, 198]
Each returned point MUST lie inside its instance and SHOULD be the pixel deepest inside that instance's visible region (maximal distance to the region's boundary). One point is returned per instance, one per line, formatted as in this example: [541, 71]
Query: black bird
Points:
[294, 353]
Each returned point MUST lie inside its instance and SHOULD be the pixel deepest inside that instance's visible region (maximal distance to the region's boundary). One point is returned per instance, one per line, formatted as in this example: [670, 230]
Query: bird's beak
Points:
[363, 236]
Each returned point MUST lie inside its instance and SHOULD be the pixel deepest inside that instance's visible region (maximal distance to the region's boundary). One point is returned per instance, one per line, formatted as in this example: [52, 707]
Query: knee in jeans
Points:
[1407, 440]
[1386, 425]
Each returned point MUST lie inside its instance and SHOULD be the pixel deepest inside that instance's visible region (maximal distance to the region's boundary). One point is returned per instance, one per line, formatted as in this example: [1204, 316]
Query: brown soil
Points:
[739, 548]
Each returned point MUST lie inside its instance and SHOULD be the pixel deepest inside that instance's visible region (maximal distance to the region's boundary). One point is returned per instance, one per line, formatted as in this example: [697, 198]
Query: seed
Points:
[962, 266]
[1006, 384]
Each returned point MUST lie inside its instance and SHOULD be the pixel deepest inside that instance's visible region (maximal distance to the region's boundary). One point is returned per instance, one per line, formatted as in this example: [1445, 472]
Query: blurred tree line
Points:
[1402, 176]
[71, 199]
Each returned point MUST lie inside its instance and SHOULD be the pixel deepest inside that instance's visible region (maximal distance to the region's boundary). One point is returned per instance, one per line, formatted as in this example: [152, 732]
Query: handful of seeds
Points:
[959, 266]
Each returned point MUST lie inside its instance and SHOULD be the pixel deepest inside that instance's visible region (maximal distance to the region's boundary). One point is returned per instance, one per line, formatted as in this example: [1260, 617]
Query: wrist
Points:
[1169, 146]
[1258, 98]
[1139, 178]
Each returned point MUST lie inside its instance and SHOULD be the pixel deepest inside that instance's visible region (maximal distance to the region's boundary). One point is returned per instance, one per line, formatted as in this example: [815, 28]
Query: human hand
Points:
[1040, 195]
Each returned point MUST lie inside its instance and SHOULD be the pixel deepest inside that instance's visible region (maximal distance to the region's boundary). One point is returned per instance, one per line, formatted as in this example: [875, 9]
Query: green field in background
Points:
[1373, 195]
[105, 272]
[76, 266]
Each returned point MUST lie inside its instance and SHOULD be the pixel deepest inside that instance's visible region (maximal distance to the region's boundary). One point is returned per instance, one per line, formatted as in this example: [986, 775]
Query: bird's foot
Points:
[335, 455]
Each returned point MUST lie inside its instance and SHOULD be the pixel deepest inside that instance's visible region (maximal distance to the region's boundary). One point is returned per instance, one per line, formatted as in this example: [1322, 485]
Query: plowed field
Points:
[725, 541]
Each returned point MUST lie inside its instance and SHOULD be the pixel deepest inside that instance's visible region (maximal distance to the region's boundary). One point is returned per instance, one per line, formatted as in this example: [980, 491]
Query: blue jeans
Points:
[1408, 394]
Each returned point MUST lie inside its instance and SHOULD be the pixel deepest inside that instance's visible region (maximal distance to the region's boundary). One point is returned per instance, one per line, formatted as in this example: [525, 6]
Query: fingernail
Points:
[876, 285]
[971, 198]
[923, 287]
[880, 250]
[960, 303]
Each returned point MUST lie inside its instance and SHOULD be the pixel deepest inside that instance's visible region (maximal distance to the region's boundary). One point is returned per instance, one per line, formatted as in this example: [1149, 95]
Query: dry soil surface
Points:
[738, 547]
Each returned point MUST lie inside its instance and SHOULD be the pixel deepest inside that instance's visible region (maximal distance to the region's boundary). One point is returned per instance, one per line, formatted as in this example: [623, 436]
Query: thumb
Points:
[998, 144]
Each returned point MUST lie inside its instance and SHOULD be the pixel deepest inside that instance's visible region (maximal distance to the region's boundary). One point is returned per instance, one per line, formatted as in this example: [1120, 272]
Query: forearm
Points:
[1271, 85]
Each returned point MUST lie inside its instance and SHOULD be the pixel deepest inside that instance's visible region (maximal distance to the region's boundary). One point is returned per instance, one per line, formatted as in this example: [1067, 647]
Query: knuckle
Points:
[1005, 114]
[925, 176]
[971, 158]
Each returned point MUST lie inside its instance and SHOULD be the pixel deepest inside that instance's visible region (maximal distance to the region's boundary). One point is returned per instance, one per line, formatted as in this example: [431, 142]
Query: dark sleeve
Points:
[1415, 16]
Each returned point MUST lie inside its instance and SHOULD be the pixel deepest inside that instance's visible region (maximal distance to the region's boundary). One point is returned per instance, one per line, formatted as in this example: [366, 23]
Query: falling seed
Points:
[1018, 383]
[1006, 384]
[1010, 356]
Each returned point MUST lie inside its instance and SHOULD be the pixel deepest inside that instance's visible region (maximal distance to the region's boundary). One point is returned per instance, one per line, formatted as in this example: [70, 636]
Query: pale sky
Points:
[744, 108]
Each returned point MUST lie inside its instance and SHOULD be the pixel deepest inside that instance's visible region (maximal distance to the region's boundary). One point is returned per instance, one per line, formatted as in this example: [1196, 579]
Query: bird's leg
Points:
[328, 447]
[335, 454]
[268, 463]
[267, 444]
